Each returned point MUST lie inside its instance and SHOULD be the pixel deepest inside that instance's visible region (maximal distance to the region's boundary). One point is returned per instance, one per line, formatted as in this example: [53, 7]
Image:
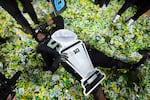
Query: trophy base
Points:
[92, 82]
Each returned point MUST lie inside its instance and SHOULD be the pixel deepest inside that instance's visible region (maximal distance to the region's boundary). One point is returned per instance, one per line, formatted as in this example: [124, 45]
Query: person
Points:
[43, 37]
[50, 54]
[7, 86]
[47, 47]
[142, 7]
[11, 7]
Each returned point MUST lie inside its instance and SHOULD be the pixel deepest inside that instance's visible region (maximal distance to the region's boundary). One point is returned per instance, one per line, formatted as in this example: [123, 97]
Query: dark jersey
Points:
[48, 47]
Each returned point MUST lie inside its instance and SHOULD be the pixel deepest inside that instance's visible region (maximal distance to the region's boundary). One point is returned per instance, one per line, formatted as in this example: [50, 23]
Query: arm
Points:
[58, 21]
[55, 64]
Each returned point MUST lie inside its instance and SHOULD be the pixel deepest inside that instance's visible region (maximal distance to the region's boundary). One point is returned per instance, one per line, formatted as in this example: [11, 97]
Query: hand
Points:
[64, 57]
[50, 22]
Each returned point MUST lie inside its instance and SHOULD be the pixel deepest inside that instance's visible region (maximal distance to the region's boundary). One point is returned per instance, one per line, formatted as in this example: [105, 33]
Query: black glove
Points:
[63, 57]
[41, 27]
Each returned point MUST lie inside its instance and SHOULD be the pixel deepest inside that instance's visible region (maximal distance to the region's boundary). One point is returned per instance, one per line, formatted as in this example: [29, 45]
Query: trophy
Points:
[77, 57]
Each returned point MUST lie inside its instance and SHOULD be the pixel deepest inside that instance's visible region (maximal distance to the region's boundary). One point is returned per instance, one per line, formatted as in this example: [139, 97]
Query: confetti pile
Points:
[93, 26]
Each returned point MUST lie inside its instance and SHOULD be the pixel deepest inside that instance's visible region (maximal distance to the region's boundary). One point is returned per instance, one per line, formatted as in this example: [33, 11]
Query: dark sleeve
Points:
[59, 21]
[43, 26]
[55, 64]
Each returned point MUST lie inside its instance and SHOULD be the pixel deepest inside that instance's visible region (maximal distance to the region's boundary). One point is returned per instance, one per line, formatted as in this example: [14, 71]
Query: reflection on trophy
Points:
[77, 57]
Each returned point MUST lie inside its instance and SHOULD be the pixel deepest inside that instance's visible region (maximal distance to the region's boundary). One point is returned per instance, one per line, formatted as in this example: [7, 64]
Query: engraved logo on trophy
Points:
[76, 51]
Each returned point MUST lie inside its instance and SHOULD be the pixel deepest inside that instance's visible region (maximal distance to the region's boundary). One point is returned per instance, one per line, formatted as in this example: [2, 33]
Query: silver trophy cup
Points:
[77, 57]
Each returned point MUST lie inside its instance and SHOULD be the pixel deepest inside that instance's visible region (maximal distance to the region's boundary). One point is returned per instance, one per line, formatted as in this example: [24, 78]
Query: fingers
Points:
[64, 56]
